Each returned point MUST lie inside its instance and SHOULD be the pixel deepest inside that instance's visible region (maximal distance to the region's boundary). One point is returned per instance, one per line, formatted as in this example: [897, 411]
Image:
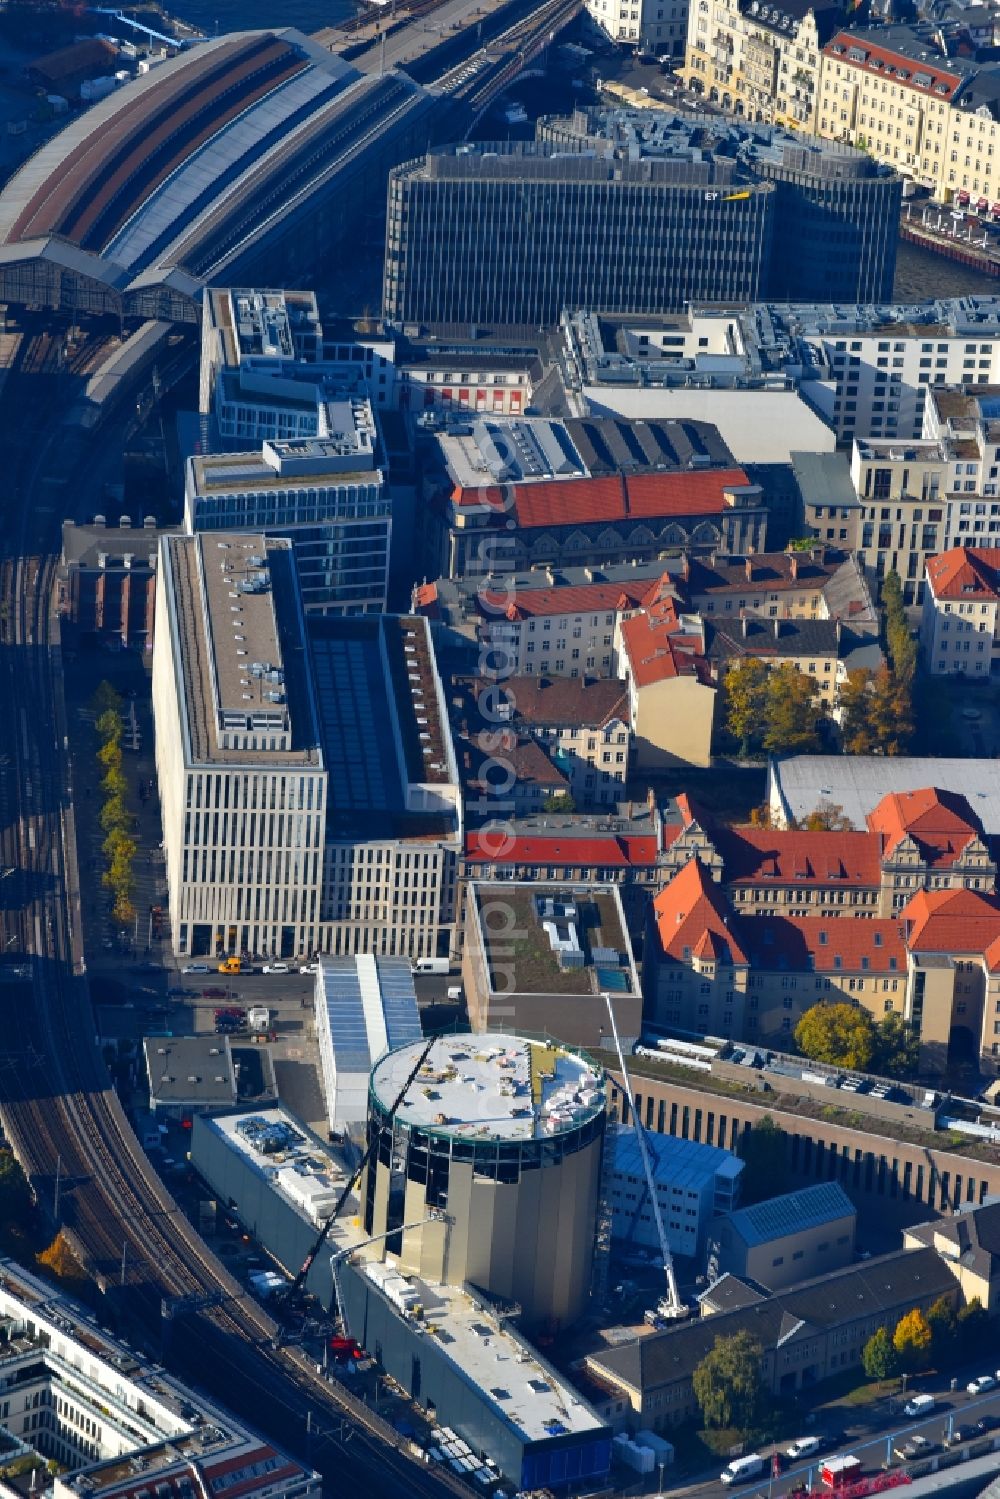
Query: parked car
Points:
[987, 1423]
[960, 1434]
[276, 968]
[308, 968]
[981, 1385]
[196, 968]
[215, 992]
[176, 989]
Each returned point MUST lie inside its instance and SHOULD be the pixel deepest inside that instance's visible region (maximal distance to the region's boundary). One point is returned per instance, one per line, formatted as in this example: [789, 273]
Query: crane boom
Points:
[307, 1263]
[674, 1306]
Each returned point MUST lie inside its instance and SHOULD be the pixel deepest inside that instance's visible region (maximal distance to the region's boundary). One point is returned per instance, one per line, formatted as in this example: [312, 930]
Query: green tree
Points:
[764, 1153]
[110, 755]
[114, 783]
[109, 726]
[841, 1035]
[899, 642]
[878, 1357]
[855, 723]
[897, 1047]
[118, 841]
[790, 711]
[114, 814]
[912, 1340]
[559, 801]
[745, 687]
[941, 1321]
[890, 712]
[106, 698]
[728, 1383]
[972, 1329]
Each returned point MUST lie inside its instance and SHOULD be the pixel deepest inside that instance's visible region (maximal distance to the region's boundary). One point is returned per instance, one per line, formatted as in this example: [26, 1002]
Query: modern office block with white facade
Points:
[309, 791]
[694, 1184]
[243, 784]
[325, 493]
[364, 1007]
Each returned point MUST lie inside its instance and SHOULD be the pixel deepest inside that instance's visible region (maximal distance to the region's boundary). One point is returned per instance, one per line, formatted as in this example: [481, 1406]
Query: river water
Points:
[921, 274]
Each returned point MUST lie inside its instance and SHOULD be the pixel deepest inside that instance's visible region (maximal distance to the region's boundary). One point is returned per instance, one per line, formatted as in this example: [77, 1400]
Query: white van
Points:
[742, 1469]
[432, 965]
[803, 1447]
[920, 1405]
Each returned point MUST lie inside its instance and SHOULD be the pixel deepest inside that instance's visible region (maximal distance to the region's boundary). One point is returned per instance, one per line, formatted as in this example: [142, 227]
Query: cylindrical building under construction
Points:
[489, 1170]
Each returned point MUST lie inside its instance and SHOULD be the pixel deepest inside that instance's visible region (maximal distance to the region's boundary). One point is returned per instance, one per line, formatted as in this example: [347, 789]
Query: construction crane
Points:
[296, 1286]
[671, 1307]
[340, 1255]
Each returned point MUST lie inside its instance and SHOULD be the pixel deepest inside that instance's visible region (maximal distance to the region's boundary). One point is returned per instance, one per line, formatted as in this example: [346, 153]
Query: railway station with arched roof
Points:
[201, 170]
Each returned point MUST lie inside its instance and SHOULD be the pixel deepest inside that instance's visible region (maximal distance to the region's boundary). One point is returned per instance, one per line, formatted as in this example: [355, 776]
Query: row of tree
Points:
[729, 1383]
[919, 1340]
[845, 1035]
[119, 846]
[877, 706]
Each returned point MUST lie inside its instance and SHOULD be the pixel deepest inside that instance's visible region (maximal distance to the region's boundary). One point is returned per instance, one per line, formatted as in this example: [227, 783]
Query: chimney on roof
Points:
[840, 628]
[550, 574]
[588, 573]
[685, 566]
[749, 569]
[793, 564]
[777, 628]
[818, 553]
[743, 623]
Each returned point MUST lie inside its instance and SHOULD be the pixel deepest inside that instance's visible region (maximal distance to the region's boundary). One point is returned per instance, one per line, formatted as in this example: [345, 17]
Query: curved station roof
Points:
[172, 179]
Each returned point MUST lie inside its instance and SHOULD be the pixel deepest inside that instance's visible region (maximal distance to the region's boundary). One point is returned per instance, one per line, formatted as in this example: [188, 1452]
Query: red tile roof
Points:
[690, 909]
[756, 856]
[568, 502]
[825, 944]
[657, 650]
[574, 702]
[965, 573]
[499, 847]
[880, 60]
[951, 921]
[586, 598]
[941, 823]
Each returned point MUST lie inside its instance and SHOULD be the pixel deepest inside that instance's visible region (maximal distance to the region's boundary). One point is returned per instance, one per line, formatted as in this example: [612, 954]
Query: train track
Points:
[477, 81]
[58, 1109]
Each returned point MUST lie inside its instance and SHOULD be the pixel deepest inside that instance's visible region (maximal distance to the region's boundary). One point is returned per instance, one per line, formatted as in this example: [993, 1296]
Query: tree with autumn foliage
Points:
[876, 713]
[60, 1259]
[913, 1340]
[790, 711]
[841, 1035]
[745, 687]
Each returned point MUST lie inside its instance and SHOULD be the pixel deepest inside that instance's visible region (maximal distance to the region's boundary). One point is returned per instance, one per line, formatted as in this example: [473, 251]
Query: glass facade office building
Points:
[626, 214]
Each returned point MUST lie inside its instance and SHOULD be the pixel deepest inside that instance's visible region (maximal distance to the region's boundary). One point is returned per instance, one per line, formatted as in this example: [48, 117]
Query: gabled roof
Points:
[972, 1238]
[965, 573]
[765, 855]
[658, 649]
[691, 911]
[571, 702]
[784, 572]
[941, 823]
[777, 1217]
[567, 502]
[530, 603]
[619, 851]
[951, 921]
[864, 50]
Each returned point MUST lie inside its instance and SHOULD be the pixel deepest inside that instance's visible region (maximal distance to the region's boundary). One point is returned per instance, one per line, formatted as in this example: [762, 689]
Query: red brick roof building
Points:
[960, 624]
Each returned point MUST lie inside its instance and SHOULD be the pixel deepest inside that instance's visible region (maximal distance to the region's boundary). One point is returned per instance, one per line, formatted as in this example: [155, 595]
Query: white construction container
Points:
[96, 88]
[662, 1449]
[640, 1459]
[258, 1017]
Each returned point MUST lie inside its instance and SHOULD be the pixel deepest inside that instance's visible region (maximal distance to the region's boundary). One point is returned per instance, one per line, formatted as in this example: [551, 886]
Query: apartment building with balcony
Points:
[761, 61]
